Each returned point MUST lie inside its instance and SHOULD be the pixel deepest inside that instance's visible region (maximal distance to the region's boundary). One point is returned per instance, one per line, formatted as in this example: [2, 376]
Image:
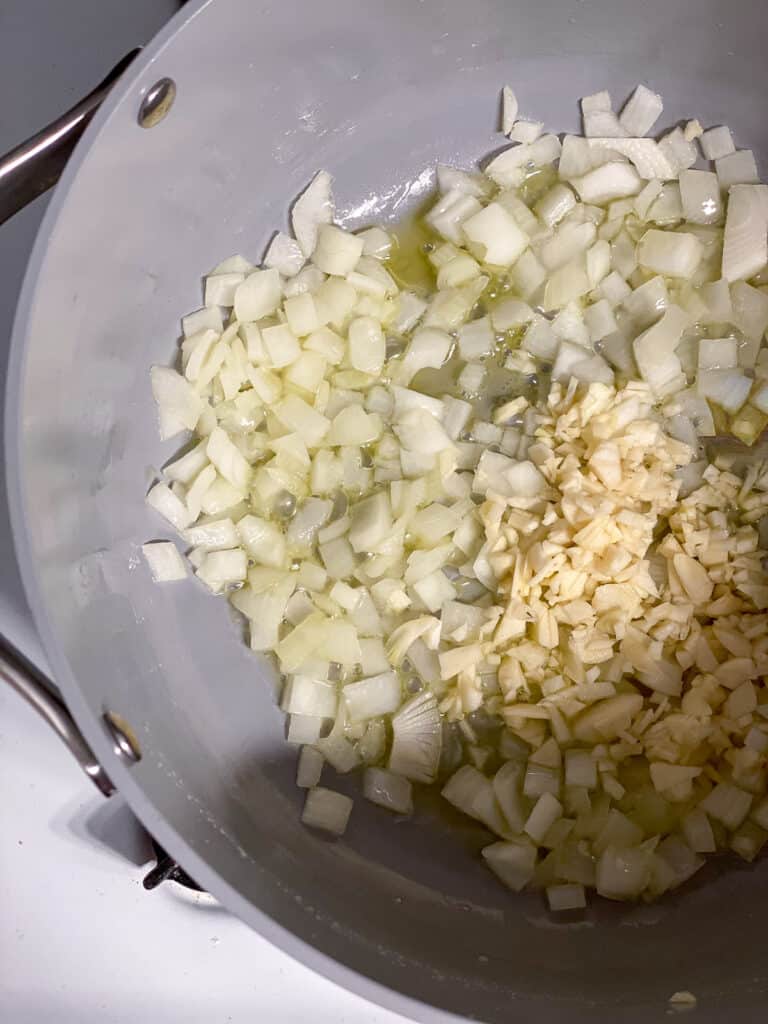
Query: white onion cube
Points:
[512, 862]
[164, 561]
[509, 108]
[610, 181]
[304, 729]
[221, 289]
[745, 243]
[258, 295]
[163, 500]
[304, 695]
[337, 251]
[310, 768]
[700, 196]
[641, 111]
[327, 810]
[373, 697]
[366, 345]
[737, 169]
[670, 253]
[566, 897]
[313, 208]
[494, 237]
[284, 255]
[388, 790]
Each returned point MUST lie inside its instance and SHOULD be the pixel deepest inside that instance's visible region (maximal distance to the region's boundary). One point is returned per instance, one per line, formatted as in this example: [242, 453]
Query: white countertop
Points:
[80, 939]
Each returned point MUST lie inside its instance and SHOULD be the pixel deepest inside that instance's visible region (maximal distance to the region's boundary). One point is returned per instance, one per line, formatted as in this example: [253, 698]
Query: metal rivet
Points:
[157, 102]
[125, 742]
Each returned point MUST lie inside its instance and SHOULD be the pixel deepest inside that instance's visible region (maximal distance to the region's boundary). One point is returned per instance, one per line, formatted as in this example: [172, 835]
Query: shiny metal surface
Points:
[37, 691]
[34, 166]
[125, 744]
[377, 94]
[157, 102]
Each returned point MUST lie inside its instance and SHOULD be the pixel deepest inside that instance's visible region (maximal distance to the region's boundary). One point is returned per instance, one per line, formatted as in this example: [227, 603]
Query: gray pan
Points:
[266, 93]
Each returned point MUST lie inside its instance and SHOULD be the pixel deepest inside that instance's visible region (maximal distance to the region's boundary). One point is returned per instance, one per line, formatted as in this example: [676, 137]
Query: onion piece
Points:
[717, 142]
[284, 255]
[472, 793]
[310, 768]
[228, 460]
[207, 318]
[654, 351]
[219, 569]
[727, 388]
[645, 154]
[525, 131]
[164, 561]
[257, 295]
[513, 862]
[727, 804]
[213, 536]
[641, 111]
[672, 254]
[388, 790]
[372, 697]
[737, 169]
[337, 251]
[679, 151]
[610, 181]
[622, 874]
[745, 243]
[566, 897]
[163, 500]
[449, 213]
[700, 196]
[509, 108]
[175, 398]
[545, 813]
[303, 695]
[416, 739]
[327, 810]
[313, 208]
[494, 236]
[428, 347]
[220, 289]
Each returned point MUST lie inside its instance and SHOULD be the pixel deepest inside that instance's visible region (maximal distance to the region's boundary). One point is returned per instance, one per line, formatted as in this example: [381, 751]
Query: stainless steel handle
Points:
[37, 690]
[35, 165]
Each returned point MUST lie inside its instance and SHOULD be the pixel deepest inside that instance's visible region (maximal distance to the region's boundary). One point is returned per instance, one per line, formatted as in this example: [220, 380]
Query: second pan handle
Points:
[35, 165]
[37, 690]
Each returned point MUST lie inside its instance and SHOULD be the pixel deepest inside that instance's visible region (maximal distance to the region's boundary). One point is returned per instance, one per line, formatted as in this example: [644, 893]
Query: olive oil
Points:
[408, 263]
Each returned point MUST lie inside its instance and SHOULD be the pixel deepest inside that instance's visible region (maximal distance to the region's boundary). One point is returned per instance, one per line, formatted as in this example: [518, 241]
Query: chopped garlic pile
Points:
[469, 509]
[631, 653]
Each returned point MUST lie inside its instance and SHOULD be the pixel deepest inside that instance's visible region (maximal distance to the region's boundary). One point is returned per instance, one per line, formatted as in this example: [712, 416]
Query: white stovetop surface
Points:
[80, 940]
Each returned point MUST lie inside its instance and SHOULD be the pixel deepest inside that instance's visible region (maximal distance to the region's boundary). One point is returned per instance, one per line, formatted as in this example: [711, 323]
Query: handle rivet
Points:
[157, 102]
[125, 743]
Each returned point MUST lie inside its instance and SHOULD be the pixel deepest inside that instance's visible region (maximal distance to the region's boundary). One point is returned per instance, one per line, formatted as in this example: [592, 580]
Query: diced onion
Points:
[326, 810]
[566, 897]
[372, 697]
[513, 862]
[284, 255]
[313, 208]
[476, 521]
[388, 790]
[310, 768]
[164, 561]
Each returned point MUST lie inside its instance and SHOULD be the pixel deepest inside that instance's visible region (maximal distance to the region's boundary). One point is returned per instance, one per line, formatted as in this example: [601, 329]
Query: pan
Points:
[194, 155]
